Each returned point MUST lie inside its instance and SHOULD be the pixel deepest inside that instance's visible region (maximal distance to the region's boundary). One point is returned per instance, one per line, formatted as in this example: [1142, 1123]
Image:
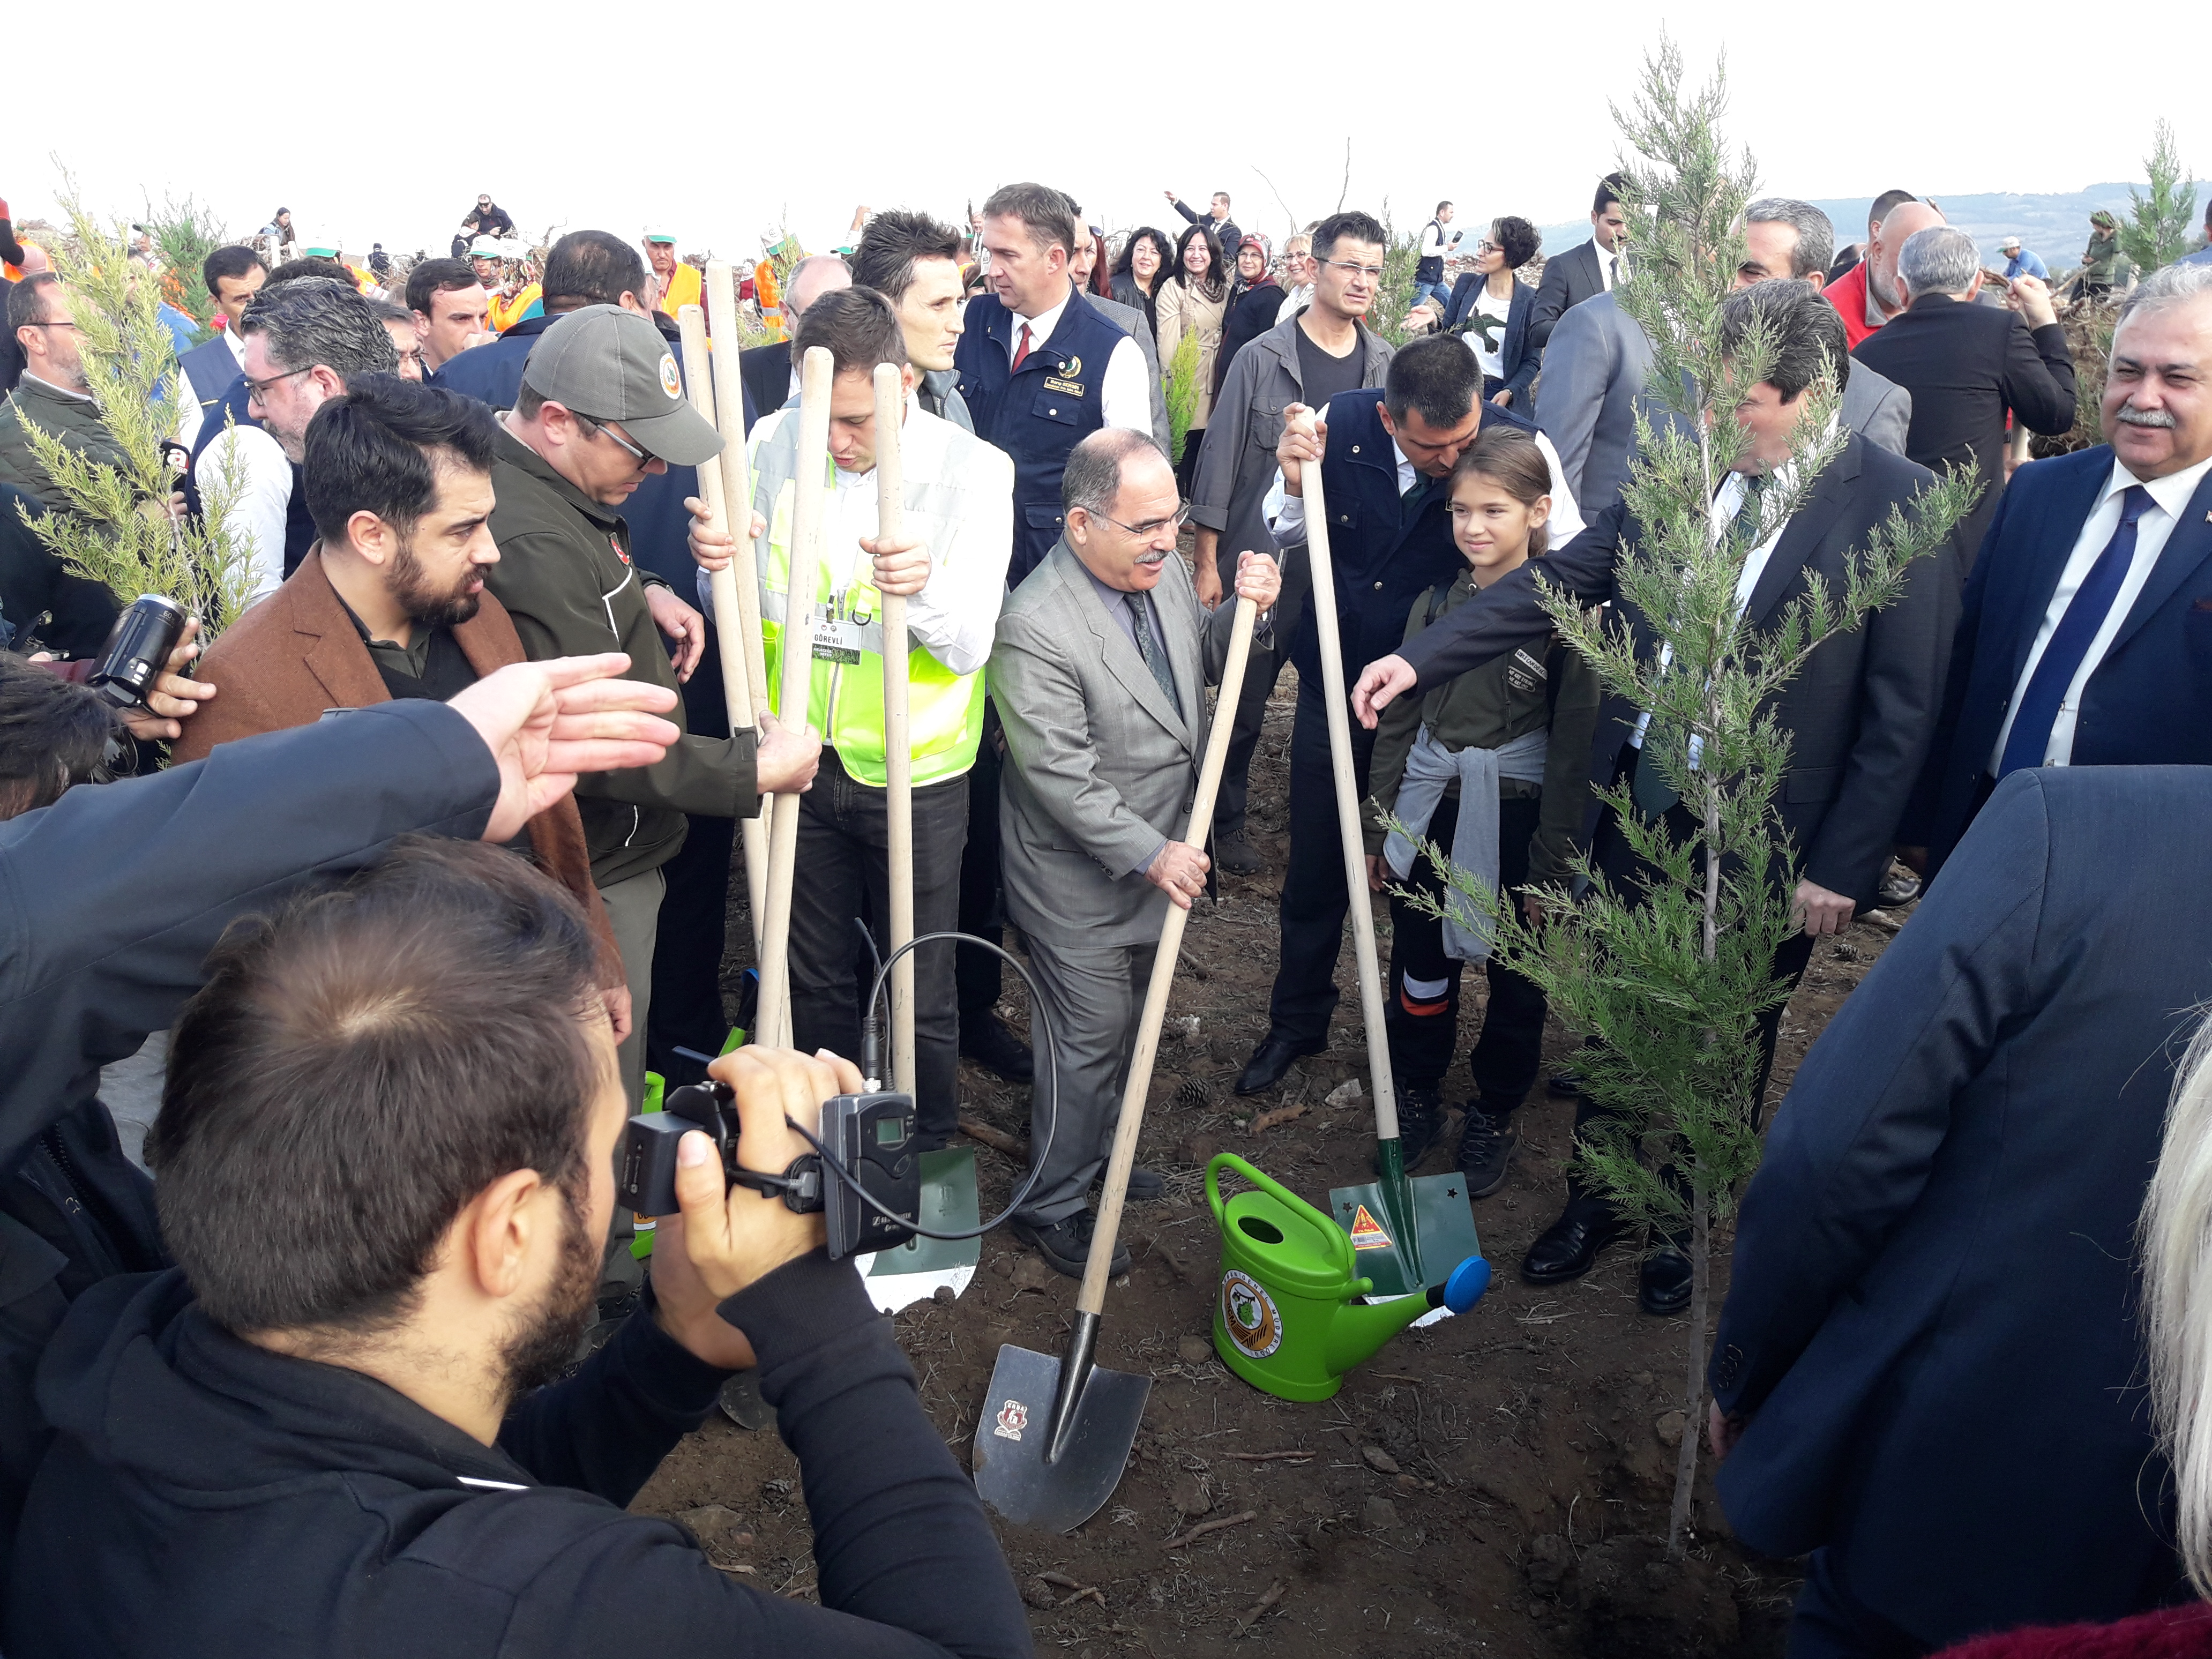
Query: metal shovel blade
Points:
[916, 1269]
[1443, 1231]
[1012, 1472]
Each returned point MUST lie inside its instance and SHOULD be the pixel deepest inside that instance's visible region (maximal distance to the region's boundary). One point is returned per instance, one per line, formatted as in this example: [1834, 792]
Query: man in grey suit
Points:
[1099, 673]
[1595, 367]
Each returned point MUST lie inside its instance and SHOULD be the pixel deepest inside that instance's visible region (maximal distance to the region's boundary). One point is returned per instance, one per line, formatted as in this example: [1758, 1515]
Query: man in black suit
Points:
[1928, 1373]
[770, 378]
[1967, 364]
[2086, 638]
[1859, 715]
[1592, 268]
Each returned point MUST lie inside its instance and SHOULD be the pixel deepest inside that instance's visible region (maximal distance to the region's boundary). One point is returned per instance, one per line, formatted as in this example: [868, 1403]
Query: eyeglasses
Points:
[260, 388]
[54, 325]
[1151, 527]
[1486, 246]
[1372, 273]
[642, 456]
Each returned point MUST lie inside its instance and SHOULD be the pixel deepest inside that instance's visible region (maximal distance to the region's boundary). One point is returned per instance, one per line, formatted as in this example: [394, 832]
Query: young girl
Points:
[1492, 766]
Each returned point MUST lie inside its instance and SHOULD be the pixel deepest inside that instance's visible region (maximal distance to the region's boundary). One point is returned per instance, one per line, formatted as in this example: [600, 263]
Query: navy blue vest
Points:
[1039, 415]
[211, 370]
[1387, 551]
[298, 523]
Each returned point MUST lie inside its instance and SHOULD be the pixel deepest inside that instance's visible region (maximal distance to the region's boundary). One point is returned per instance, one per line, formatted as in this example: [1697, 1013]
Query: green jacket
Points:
[1489, 707]
[75, 421]
[2101, 259]
[564, 574]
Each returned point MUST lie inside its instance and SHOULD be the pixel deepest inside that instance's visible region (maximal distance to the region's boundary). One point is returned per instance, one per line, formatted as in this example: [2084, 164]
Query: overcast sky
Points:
[384, 125]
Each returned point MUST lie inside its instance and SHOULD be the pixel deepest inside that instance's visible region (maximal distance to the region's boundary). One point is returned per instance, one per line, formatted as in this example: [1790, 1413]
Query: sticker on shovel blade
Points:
[1013, 1417]
[1367, 1232]
[1249, 1316]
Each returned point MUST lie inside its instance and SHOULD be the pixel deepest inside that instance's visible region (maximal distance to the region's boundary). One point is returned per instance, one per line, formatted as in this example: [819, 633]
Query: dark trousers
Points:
[1262, 670]
[982, 908]
[1610, 850]
[1829, 1622]
[1186, 468]
[843, 843]
[687, 1008]
[1314, 903]
[1506, 1056]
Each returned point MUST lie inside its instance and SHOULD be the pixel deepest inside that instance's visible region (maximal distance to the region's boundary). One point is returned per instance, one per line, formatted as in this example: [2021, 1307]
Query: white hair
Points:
[1941, 259]
[2168, 285]
[2175, 1234]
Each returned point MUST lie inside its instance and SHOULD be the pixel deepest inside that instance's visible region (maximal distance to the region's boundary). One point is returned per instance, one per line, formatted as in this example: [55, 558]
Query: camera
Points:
[137, 649]
[866, 1139]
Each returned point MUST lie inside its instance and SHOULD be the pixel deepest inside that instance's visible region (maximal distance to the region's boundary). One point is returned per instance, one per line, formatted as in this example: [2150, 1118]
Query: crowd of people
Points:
[482, 610]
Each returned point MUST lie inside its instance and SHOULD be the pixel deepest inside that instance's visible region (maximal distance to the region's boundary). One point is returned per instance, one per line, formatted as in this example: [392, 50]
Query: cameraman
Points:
[111, 897]
[384, 1165]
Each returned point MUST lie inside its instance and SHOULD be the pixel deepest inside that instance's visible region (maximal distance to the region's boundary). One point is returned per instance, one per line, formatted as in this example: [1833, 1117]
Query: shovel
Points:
[1058, 1473]
[1401, 1229]
[949, 1202]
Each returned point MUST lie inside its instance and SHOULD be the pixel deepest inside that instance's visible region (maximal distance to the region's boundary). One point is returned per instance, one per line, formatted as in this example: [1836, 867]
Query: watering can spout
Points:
[1358, 1329]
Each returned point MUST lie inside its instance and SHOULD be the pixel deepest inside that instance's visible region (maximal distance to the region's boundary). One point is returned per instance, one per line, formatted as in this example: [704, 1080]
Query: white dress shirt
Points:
[190, 415]
[248, 459]
[1287, 514]
[2169, 499]
[1124, 398]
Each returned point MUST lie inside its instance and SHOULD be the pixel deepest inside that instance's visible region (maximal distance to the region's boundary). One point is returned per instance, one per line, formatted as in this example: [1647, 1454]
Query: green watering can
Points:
[1285, 1319]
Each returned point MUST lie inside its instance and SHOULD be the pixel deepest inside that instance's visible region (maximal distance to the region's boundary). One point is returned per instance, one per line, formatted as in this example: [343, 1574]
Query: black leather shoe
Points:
[1065, 1244]
[1270, 1060]
[1486, 1149]
[988, 1042]
[1662, 1284]
[1568, 1084]
[1899, 886]
[1237, 856]
[1569, 1248]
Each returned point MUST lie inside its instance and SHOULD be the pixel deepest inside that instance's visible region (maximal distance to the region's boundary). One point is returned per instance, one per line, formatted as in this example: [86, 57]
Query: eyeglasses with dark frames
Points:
[1152, 526]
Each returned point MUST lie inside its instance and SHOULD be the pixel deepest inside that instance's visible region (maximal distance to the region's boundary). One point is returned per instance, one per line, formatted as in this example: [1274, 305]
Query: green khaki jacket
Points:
[565, 577]
[74, 420]
[1489, 707]
[2101, 259]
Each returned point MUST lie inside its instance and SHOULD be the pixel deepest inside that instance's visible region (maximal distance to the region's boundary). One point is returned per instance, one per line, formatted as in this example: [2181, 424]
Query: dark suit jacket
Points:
[2142, 707]
[297, 653]
[765, 372]
[1519, 354]
[1931, 1318]
[1965, 365]
[1568, 281]
[1861, 713]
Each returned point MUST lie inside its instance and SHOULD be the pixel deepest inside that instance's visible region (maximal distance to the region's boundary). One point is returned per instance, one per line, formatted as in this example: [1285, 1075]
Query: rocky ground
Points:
[1496, 1485]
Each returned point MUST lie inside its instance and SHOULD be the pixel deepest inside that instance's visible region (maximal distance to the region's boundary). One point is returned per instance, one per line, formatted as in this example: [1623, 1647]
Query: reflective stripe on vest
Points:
[845, 701]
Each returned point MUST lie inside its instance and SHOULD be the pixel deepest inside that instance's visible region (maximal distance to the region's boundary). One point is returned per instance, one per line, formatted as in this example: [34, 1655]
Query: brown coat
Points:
[297, 653]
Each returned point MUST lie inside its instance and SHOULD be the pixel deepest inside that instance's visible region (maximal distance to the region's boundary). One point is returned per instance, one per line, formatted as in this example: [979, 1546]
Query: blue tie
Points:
[2069, 641]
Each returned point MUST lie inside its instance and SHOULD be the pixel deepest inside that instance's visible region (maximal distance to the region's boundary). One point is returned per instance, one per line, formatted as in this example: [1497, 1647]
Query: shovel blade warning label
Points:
[1367, 1232]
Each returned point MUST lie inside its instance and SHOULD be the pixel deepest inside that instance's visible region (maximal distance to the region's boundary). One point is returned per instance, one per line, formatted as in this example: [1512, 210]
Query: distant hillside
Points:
[2055, 226]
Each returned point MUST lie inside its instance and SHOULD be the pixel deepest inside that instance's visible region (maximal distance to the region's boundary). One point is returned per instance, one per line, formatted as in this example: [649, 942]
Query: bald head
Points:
[810, 278]
[1905, 221]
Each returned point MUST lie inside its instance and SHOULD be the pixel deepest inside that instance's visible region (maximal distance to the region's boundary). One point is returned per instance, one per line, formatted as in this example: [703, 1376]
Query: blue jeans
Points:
[1422, 290]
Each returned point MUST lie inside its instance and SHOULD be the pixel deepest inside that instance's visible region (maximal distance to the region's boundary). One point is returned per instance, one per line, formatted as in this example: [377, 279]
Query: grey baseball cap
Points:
[609, 364]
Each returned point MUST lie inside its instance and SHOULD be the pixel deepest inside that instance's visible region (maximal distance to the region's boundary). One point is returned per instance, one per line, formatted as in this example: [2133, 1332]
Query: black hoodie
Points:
[204, 1497]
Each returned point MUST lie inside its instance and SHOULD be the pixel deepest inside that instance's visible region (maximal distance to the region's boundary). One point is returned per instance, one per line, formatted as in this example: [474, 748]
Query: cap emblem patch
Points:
[668, 382]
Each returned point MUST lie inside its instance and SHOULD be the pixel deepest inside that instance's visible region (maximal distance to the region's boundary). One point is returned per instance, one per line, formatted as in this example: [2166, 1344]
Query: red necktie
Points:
[1022, 350]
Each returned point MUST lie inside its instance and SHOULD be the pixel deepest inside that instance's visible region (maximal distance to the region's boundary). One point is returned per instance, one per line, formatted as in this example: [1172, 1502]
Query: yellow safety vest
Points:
[682, 289]
[506, 313]
[845, 703]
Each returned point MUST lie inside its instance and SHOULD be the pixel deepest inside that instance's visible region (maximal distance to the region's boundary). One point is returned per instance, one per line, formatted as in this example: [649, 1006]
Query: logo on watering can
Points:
[1013, 1417]
[1250, 1314]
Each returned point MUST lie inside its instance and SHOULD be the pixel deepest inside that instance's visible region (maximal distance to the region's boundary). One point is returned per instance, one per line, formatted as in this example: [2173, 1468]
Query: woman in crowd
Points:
[1136, 277]
[1492, 768]
[1494, 318]
[1192, 300]
[1253, 306]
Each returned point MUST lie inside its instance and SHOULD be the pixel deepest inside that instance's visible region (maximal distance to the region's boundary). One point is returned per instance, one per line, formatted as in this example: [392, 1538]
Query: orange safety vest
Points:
[683, 289]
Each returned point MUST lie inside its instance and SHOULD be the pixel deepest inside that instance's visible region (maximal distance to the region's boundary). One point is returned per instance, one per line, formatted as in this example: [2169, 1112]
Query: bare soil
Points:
[1496, 1485]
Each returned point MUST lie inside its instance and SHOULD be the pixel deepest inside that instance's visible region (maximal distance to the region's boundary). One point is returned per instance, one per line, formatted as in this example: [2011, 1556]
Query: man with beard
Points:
[305, 337]
[390, 602]
[1870, 293]
[333, 1427]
